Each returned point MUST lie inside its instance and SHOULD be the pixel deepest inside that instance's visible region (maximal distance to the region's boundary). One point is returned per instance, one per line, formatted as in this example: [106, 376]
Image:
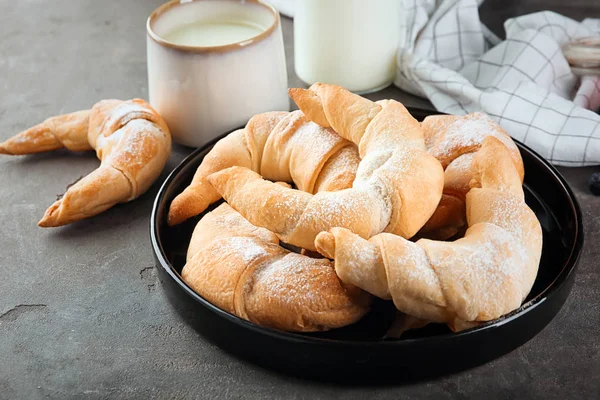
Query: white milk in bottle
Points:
[351, 43]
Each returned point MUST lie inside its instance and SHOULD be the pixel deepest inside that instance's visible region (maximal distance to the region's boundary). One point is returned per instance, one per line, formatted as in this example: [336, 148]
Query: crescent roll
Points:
[480, 277]
[131, 140]
[242, 269]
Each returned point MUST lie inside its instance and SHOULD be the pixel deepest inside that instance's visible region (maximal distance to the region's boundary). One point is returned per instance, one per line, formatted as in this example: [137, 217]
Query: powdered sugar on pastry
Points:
[463, 163]
[327, 139]
[281, 146]
[131, 140]
[466, 134]
[479, 277]
[286, 279]
[249, 251]
[453, 141]
[230, 264]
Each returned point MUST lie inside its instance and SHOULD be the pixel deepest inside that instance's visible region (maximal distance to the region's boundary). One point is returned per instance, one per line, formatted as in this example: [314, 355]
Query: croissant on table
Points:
[131, 140]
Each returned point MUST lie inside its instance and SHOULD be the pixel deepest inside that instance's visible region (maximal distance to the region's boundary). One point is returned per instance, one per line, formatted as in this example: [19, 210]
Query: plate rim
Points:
[568, 267]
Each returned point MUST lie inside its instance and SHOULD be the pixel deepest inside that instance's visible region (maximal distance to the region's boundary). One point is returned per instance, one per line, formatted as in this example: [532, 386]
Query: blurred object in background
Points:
[494, 13]
[583, 56]
[594, 183]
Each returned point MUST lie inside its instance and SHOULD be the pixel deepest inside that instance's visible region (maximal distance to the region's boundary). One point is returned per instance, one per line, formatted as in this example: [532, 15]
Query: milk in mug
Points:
[213, 33]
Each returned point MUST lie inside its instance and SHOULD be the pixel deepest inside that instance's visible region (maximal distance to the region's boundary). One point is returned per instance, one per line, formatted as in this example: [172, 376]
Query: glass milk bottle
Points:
[351, 43]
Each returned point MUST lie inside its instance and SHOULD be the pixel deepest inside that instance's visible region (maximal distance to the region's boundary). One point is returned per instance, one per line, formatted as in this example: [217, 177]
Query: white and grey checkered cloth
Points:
[523, 82]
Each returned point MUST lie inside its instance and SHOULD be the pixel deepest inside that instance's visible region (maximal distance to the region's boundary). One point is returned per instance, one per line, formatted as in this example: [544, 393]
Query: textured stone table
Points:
[82, 313]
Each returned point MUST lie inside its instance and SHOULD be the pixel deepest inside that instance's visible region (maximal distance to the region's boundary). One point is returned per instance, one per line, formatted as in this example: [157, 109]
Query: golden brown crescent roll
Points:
[453, 141]
[281, 146]
[131, 140]
[480, 277]
[397, 186]
[242, 269]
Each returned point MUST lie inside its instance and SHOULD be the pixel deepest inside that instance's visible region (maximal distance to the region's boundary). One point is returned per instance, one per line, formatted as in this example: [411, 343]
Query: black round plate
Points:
[362, 350]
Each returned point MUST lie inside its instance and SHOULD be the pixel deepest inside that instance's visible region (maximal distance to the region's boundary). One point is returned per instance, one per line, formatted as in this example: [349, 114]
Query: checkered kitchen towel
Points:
[524, 82]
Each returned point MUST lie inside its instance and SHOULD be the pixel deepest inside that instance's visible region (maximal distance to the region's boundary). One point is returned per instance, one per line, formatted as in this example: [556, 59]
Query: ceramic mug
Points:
[204, 91]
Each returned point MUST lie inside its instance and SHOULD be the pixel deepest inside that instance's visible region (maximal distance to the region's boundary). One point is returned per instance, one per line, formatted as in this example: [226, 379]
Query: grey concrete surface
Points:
[82, 313]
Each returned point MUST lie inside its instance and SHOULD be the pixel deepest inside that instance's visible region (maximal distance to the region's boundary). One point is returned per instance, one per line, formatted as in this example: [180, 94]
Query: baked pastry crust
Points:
[281, 146]
[241, 269]
[131, 140]
[479, 277]
[454, 141]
